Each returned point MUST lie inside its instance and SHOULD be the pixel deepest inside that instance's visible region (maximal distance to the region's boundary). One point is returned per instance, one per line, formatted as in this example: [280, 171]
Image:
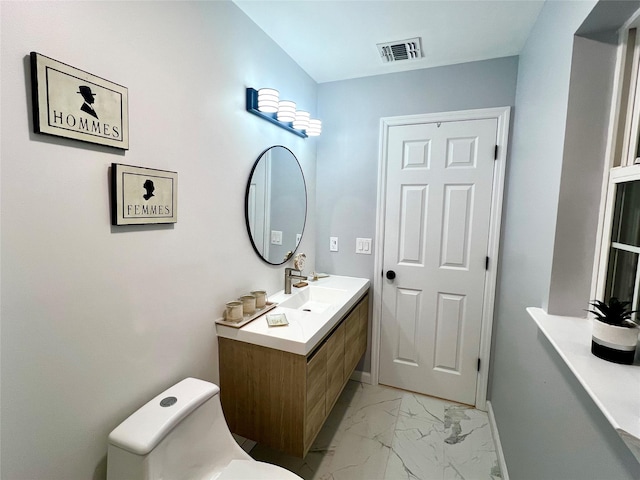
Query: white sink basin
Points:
[311, 311]
[315, 299]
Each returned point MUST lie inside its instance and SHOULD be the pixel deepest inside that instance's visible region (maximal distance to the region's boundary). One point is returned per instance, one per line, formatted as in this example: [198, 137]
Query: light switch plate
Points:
[276, 237]
[363, 246]
[333, 244]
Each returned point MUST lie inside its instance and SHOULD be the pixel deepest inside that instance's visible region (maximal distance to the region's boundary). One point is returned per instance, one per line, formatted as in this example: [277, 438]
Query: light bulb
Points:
[268, 100]
[302, 120]
[315, 128]
[286, 111]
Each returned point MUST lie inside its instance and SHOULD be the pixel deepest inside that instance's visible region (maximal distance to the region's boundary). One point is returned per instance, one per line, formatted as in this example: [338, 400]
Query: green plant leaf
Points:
[614, 313]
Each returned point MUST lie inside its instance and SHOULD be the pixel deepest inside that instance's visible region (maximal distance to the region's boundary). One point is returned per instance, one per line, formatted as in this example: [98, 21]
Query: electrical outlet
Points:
[333, 244]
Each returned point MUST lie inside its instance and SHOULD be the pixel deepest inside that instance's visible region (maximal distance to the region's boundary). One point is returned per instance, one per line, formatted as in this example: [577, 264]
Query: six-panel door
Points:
[438, 208]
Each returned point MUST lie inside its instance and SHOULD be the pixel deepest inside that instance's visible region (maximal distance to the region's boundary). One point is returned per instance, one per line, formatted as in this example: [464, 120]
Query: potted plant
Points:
[615, 334]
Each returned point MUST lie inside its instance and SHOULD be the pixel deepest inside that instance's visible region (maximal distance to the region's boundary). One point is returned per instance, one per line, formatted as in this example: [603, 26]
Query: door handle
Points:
[391, 275]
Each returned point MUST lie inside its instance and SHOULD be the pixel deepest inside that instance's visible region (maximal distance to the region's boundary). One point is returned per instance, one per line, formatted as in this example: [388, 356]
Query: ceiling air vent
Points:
[401, 50]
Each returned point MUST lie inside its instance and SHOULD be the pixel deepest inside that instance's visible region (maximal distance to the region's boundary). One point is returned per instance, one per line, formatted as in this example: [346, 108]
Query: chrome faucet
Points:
[289, 275]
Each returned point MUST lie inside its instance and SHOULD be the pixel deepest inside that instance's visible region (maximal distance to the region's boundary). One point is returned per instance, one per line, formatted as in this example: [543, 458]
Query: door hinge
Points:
[478, 364]
[495, 153]
[486, 263]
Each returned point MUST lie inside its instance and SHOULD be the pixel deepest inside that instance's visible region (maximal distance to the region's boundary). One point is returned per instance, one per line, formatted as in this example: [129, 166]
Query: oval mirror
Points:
[276, 205]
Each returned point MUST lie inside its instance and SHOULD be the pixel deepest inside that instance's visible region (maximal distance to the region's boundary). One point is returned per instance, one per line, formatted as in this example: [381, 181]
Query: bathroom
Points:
[98, 319]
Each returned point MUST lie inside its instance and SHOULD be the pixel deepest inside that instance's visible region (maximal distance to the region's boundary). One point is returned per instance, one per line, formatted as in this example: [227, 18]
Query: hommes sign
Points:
[142, 196]
[71, 103]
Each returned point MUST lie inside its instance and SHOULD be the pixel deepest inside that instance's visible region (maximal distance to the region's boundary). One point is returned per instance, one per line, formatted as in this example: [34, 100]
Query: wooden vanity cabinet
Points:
[280, 399]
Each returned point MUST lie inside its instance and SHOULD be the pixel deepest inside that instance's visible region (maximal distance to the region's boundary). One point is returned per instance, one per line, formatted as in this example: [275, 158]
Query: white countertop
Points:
[305, 329]
[614, 388]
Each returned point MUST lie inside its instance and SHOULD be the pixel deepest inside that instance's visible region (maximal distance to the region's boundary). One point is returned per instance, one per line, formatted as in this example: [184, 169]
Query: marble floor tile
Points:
[373, 416]
[418, 440]
[377, 432]
[414, 457]
[358, 458]
[470, 449]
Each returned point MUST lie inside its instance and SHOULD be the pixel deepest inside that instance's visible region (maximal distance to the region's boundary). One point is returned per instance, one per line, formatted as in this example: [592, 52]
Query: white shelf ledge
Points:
[614, 388]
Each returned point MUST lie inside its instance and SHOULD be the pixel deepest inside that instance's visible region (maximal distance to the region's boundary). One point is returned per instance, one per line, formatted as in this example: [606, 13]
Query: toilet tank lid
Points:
[144, 429]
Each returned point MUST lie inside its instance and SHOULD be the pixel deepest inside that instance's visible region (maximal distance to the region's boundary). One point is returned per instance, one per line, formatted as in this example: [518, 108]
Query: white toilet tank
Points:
[179, 435]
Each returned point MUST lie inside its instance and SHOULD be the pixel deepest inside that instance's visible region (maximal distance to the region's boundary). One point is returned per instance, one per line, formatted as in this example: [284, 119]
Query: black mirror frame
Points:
[246, 205]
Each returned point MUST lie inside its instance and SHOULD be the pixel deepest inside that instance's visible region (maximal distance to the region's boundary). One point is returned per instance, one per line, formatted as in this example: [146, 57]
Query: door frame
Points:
[502, 114]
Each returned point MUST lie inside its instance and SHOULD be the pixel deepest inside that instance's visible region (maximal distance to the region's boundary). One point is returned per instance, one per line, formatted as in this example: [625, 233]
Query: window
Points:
[618, 269]
[623, 274]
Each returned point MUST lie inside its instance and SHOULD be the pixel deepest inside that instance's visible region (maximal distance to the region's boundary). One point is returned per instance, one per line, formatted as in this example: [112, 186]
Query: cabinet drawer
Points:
[356, 328]
[364, 325]
[316, 378]
[314, 420]
[351, 348]
[335, 366]
[316, 394]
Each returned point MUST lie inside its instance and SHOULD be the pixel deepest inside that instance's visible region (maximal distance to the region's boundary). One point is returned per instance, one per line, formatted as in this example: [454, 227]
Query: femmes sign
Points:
[71, 103]
[143, 196]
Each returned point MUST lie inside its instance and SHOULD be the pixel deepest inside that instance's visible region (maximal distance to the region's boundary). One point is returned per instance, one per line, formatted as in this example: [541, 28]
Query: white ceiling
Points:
[336, 40]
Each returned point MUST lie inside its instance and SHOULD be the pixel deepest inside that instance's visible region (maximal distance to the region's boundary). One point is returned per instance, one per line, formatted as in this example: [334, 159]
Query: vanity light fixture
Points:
[266, 104]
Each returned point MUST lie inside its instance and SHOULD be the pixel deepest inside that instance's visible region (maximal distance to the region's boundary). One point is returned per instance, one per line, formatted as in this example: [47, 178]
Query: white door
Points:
[436, 234]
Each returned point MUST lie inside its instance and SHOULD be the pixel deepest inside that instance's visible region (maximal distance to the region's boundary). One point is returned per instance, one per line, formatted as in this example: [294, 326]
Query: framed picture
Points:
[71, 103]
[142, 196]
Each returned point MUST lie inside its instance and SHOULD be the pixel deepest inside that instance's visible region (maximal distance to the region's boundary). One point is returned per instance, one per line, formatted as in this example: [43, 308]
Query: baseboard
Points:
[362, 377]
[496, 438]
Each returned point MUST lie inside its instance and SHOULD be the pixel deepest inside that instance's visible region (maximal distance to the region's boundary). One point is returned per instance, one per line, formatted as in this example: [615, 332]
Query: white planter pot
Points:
[612, 343]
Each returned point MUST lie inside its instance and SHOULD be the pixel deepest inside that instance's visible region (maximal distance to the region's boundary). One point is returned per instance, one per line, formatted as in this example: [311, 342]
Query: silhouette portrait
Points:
[148, 186]
[89, 99]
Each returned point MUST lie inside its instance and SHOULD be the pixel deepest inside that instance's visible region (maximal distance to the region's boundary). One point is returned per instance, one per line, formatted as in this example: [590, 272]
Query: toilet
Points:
[182, 435]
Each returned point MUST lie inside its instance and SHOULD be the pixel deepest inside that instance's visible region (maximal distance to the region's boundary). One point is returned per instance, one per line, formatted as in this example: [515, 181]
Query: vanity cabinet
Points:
[280, 399]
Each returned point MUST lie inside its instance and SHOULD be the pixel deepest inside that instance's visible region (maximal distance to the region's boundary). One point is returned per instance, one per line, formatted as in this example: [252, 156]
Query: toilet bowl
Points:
[182, 435]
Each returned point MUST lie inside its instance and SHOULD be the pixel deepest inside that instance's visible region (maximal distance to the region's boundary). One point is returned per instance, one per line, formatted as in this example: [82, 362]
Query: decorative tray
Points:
[277, 320]
[248, 318]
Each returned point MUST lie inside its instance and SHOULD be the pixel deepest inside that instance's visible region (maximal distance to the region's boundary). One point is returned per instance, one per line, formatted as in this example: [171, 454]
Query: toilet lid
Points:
[249, 469]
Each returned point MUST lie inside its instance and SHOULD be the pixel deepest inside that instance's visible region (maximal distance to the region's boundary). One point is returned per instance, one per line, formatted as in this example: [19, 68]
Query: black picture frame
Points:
[143, 196]
[71, 103]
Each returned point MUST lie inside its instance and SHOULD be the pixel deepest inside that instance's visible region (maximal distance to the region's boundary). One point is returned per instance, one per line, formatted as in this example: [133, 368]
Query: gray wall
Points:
[97, 320]
[548, 425]
[591, 84]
